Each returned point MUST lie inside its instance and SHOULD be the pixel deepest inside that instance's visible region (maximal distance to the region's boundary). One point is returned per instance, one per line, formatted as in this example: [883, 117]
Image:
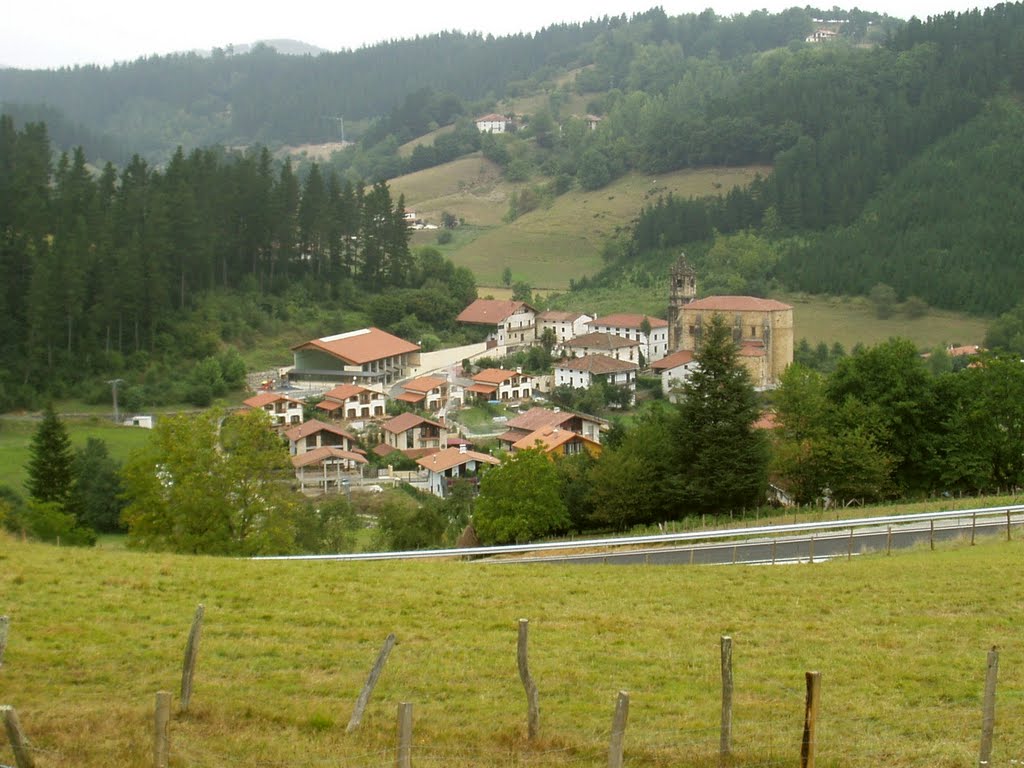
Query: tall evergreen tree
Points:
[51, 463]
[722, 460]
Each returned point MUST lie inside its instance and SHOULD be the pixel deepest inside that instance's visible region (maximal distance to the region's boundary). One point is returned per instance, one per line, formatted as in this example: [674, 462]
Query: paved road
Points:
[791, 549]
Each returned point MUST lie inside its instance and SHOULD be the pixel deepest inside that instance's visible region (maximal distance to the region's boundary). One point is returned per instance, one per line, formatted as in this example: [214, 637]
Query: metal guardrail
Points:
[667, 538]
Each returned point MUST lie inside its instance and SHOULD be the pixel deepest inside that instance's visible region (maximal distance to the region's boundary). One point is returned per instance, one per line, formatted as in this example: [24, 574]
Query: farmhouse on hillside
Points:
[510, 324]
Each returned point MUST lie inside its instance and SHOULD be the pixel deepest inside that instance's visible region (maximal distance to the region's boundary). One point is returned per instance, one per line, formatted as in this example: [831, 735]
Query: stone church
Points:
[763, 328]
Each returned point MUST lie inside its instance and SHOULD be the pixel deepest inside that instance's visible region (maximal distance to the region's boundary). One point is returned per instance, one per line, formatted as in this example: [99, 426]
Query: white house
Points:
[499, 384]
[546, 418]
[284, 411]
[566, 325]
[509, 323]
[446, 467]
[351, 401]
[581, 372]
[607, 344]
[674, 370]
[653, 345]
[492, 123]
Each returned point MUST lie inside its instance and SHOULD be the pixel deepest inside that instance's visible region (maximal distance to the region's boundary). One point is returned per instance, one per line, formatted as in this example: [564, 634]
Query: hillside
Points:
[286, 648]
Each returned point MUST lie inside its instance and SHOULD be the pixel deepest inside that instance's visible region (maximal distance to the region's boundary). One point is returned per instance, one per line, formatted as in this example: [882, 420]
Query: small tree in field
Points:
[51, 461]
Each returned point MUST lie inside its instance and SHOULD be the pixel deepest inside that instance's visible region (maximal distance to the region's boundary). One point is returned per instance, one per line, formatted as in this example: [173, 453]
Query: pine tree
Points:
[50, 468]
[721, 459]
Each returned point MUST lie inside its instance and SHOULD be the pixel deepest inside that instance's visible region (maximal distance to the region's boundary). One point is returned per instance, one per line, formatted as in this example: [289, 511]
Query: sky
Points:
[41, 34]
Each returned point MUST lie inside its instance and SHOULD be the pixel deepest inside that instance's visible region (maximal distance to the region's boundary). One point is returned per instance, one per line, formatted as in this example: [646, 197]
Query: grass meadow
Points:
[900, 642]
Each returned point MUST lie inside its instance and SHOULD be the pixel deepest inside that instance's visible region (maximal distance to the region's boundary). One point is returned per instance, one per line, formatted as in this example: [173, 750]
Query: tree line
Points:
[111, 271]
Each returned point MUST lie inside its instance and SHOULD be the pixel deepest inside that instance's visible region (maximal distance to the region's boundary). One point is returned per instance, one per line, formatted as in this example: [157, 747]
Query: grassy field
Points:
[900, 643]
[16, 436]
[551, 245]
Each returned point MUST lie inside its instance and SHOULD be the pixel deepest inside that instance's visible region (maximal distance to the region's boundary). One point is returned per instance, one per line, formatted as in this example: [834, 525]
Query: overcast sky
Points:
[36, 34]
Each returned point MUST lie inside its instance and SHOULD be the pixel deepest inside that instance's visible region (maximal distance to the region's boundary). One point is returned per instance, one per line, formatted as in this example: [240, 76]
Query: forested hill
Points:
[152, 105]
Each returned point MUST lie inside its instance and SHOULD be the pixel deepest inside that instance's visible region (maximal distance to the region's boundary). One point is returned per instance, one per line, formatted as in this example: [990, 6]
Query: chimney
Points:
[462, 447]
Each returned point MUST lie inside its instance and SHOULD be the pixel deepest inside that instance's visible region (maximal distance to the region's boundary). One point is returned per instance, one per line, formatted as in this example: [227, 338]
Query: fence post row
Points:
[810, 718]
[615, 749]
[725, 744]
[188, 669]
[5, 625]
[161, 735]
[404, 758]
[19, 744]
[533, 709]
[371, 683]
[988, 708]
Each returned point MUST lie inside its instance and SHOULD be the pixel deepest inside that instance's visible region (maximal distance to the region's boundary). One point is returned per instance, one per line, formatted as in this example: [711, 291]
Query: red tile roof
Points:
[424, 384]
[607, 341]
[406, 421]
[628, 320]
[313, 426]
[411, 397]
[361, 347]
[597, 364]
[482, 389]
[329, 405]
[537, 417]
[736, 304]
[453, 457]
[682, 357]
[266, 398]
[491, 311]
[345, 391]
[549, 439]
[494, 376]
[317, 455]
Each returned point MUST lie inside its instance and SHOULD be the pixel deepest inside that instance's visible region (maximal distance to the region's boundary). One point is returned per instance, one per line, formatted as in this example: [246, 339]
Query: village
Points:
[354, 376]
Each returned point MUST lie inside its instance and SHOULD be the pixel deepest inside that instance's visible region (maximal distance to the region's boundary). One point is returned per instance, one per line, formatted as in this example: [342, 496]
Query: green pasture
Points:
[900, 643]
[16, 436]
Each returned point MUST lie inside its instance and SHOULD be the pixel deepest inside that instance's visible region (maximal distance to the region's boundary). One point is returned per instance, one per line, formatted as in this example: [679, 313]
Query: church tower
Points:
[682, 290]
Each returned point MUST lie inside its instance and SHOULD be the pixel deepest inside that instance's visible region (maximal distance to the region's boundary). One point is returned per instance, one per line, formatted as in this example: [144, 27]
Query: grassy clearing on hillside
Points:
[16, 436]
[900, 643]
[471, 188]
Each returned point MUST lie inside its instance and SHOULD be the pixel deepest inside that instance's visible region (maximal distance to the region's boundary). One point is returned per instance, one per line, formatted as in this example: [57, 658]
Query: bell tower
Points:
[682, 290]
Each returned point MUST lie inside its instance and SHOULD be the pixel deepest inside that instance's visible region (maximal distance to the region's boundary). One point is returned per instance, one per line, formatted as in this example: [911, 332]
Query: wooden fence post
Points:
[404, 759]
[988, 708]
[725, 744]
[188, 669]
[615, 749]
[974, 525]
[19, 744]
[810, 719]
[5, 625]
[888, 541]
[1009, 523]
[931, 534]
[161, 736]
[371, 683]
[532, 708]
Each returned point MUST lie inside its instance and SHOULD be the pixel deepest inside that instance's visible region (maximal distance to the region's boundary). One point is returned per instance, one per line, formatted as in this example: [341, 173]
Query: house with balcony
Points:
[537, 419]
[413, 435]
[428, 393]
[369, 357]
[555, 441]
[314, 434]
[499, 384]
[607, 344]
[509, 324]
[650, 332]
[447, 467]
[350, 402]
[284, 411]
[492, 123]
[582, 372]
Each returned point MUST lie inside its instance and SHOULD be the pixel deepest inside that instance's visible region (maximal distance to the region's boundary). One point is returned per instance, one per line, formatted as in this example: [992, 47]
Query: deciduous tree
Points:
[519, 500]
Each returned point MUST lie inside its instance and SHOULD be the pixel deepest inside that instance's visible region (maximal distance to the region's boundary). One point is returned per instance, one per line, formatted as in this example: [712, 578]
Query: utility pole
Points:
[113, 386]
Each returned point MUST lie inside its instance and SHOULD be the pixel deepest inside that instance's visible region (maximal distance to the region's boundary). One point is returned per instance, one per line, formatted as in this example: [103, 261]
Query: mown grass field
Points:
[16, 437]
[900, 643]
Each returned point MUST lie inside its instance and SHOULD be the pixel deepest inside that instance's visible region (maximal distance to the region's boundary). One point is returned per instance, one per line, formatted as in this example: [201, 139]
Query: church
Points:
[762, 328]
